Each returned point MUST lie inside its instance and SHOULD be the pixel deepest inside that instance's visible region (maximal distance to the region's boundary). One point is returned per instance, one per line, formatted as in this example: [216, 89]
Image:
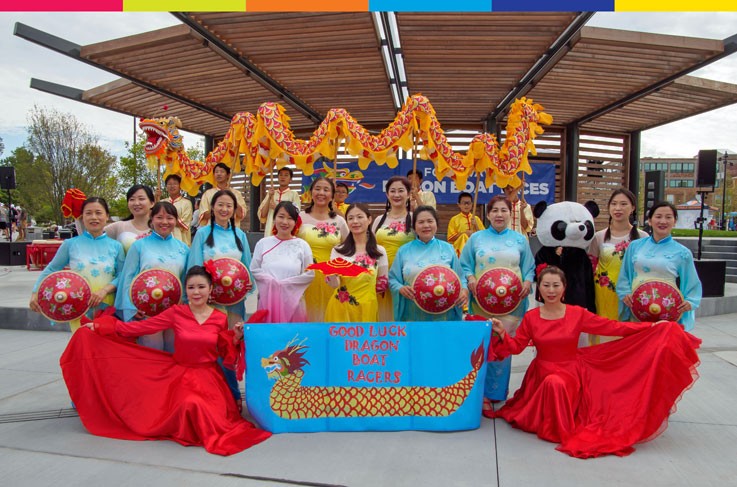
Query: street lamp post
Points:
[725, 160]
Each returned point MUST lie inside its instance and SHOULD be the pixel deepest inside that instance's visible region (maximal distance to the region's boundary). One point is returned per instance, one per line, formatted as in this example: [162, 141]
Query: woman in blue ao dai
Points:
[158, 250]
[222, 239]
[662, 258]
[94, 255]
[498, 246]
[217, 240]
[412, 258]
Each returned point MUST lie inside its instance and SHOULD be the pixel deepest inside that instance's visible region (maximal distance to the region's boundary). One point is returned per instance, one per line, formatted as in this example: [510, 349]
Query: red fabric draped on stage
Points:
[123, 390]
[603, 399]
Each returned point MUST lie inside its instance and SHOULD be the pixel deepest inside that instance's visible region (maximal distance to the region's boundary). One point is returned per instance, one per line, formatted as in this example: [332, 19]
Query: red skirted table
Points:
[40, 252]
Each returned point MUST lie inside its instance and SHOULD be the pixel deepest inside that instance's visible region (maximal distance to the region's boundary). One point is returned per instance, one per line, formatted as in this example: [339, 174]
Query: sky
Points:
[23, 60]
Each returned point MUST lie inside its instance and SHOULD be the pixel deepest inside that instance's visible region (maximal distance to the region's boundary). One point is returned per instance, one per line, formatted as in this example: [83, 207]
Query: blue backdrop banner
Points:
[366, 376]
[368, 186]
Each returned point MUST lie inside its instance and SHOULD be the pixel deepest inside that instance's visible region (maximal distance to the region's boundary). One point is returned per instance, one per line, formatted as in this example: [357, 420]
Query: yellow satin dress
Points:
[391, 236]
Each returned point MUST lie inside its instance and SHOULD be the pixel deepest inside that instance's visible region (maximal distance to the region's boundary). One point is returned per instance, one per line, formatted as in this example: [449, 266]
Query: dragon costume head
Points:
[162, 134]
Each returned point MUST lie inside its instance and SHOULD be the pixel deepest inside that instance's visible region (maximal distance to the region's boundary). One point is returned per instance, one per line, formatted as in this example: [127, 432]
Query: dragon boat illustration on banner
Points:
[289, 399]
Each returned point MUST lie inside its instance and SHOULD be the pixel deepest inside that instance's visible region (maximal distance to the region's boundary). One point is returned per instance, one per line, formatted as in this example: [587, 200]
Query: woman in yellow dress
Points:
[607, 250]
[393, 229]
[355, 298]
[322, 228]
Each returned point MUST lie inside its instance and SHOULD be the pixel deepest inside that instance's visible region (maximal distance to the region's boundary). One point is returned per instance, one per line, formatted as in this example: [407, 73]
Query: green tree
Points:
[68, 155]
[31, 178]
[133, 166]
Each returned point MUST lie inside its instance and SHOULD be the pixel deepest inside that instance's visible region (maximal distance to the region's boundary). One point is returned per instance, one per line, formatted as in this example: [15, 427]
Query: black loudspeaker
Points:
[712, 274]
[654, 188]
[707, 173]
[13, 253]
[7, 177]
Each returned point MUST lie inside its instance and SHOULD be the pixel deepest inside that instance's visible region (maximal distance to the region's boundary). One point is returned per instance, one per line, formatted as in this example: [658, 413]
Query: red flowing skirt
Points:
[125, 391]
[611, 396]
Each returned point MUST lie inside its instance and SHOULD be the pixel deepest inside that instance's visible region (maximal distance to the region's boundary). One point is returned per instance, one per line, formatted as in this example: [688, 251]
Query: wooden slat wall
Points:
[597, 180]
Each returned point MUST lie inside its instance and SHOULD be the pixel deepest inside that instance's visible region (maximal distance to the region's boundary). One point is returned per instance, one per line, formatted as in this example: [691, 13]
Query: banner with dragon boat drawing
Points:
[366, 376]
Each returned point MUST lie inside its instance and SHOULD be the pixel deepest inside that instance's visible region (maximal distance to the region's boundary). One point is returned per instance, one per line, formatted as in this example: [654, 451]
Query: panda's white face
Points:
[566, 224]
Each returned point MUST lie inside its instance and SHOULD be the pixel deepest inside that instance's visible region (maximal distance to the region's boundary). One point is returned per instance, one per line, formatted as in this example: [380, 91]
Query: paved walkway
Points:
[42, 441]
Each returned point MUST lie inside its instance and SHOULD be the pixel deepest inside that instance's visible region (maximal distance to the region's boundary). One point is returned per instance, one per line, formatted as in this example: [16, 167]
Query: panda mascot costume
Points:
[565, 231]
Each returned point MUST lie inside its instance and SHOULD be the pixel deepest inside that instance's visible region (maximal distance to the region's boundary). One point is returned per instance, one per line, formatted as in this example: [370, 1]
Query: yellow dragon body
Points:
[266, 141]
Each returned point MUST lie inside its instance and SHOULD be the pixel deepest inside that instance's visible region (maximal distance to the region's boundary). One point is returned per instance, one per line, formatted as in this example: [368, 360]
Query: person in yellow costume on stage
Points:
[464, 224]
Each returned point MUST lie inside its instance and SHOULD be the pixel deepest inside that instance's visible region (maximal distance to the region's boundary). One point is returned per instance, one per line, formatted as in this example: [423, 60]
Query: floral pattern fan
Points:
[154, 290]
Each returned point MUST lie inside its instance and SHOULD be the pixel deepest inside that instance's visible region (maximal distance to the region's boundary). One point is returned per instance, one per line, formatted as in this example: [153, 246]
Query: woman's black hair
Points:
[197, 270]
[348, 247]
[420, 209]
[96, 199]
[661, 204]
[496, 199]
[331, 211]
[291, 210]
[211, 238]
[133, 190]
[408, 219]
[548, 269]
[634, 234]
[169, 208]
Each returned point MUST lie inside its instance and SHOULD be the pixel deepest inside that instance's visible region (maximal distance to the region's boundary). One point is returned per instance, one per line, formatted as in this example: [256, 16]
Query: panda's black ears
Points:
[592, 207]
[539, 209]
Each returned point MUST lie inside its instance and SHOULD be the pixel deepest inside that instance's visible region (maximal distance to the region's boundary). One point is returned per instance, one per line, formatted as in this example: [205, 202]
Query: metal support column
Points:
[633, 171]
[573, 133]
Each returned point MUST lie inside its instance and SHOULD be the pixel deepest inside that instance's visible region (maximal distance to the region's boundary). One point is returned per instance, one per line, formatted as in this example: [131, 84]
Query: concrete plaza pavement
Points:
[42, 441]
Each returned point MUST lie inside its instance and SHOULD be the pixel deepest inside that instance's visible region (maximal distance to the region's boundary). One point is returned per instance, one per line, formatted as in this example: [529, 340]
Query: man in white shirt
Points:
[273, 198]
[183, 206]
[522, 220]
[222, 181]
[417, 197]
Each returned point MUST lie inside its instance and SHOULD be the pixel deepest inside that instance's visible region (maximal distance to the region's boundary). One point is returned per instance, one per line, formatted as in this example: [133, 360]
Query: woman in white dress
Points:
[279, 266]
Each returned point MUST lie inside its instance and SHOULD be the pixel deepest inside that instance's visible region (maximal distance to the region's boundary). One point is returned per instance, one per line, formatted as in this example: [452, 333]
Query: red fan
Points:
[154, 290]
[338, 266]
[231, 281]
[436, 289]
[656, 300]
[499, 291]
[64, 296]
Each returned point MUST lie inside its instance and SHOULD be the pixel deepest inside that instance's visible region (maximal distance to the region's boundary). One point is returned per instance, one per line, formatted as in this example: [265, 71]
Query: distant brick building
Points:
[680, 176]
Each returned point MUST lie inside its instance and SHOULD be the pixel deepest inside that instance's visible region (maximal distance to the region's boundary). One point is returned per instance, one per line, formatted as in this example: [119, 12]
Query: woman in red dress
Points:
[123, 390]
[596, 400]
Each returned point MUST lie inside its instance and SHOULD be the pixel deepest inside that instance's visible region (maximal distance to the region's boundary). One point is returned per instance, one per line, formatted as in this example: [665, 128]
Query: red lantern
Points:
[64, 296]
[499, 291]
[231, 281]
[656, 300]
[154, 290]
[436, 289]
